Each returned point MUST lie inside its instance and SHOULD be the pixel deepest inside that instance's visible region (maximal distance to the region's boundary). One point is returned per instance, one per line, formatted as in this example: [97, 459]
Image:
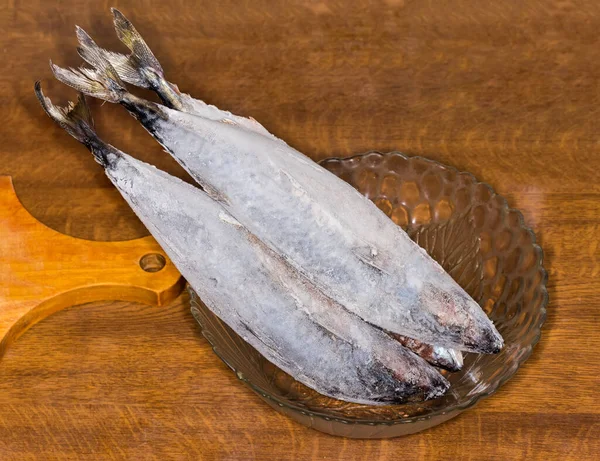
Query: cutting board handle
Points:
[43, 271]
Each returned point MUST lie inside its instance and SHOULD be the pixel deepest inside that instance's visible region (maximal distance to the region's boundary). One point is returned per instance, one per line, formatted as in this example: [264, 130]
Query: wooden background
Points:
[507, 90]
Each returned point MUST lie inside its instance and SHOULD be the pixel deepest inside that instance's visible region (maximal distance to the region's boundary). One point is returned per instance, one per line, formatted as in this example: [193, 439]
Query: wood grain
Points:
[44, 271]
[507, 90]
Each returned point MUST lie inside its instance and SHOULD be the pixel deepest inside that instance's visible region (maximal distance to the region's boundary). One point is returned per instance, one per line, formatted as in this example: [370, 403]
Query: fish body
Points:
[327, 230]
[143, 69]
[254, 290]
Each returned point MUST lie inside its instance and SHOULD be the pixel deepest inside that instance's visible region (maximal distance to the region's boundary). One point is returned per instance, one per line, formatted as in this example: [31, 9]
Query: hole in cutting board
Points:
[152, 262]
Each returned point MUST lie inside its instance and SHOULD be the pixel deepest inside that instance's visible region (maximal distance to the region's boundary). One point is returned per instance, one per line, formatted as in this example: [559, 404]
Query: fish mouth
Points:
[489, 341]
[494, 340]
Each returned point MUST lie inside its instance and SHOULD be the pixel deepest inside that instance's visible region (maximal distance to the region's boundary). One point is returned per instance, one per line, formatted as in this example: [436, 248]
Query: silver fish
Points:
[253, 289]
[141, 68]
[332, 234]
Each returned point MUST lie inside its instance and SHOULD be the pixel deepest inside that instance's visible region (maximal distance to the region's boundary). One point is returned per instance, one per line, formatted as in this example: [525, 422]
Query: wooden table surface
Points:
[507, 90]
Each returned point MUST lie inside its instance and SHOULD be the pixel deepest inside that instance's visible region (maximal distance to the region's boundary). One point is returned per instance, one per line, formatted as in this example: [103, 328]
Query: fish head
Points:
[454, 309]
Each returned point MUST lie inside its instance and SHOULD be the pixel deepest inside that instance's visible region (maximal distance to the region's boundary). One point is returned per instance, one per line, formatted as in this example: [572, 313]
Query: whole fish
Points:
[326, 229]
[253, 289]
[141, 68]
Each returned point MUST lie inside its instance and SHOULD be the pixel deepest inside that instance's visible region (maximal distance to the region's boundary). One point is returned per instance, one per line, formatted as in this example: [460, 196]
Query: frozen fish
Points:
[329, 232]
[253, 289]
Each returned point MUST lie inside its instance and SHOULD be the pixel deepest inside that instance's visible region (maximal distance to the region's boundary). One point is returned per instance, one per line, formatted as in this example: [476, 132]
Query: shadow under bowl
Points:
[481, 242]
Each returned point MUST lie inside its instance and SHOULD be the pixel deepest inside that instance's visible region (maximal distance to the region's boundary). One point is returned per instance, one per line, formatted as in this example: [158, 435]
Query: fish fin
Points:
[141, 56]
[128, 69]
[125, 66]
[141, 68]
[96, 57]
[76, 119]
[101, 82]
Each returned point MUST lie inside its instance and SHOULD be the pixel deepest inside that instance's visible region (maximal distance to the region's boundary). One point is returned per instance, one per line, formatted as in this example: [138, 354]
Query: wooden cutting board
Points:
[44, 271]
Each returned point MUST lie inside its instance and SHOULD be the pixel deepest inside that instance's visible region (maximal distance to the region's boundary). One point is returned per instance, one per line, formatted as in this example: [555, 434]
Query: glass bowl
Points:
[476, 237]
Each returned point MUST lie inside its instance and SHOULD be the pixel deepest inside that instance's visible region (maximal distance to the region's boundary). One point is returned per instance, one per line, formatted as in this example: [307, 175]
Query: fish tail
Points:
[76, 119]
[134, 68]
[123, 65]
[102, 82]
[141, 68]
